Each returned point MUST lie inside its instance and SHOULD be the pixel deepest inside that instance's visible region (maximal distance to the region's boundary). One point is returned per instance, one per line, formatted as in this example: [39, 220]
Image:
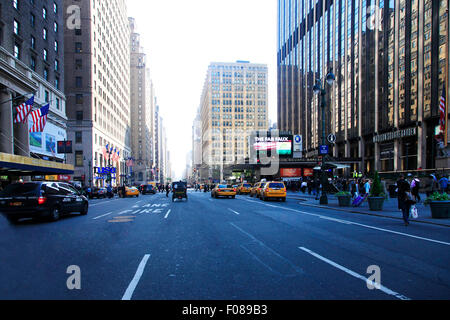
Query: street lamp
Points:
[319, 89]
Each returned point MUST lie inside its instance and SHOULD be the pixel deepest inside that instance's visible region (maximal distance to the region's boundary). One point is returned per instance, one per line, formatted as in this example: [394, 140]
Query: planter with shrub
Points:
[344, 198]
[377, 195]
[439, 204]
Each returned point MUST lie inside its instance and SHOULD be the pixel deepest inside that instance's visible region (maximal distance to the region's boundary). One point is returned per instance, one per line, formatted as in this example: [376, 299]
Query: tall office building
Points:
[32, 64]
[142, 109]
[389, 59]
[97, 73]
[233, 104]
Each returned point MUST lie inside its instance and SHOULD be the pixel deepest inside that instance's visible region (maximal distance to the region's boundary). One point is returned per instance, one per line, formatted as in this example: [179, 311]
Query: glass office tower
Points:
[389, 58]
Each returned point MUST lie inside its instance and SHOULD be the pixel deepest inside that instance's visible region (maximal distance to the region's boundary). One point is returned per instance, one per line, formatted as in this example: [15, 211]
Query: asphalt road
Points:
[222, 249]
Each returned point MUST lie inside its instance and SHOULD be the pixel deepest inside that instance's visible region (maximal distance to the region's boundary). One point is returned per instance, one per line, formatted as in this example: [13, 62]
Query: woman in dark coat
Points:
[404, 198]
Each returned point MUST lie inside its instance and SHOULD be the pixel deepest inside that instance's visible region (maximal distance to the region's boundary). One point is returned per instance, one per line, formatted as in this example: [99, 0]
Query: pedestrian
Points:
[415, 189]
[443, 183]
[404, 198]
[167, 190]
[367, 187]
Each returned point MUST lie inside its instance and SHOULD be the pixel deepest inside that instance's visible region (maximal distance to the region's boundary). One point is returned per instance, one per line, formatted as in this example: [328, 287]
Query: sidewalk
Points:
[390, 209]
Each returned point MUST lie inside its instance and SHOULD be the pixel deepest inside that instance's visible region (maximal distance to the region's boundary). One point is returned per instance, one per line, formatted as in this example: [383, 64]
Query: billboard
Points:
[45, 143]
[281, 145]
[290, 172]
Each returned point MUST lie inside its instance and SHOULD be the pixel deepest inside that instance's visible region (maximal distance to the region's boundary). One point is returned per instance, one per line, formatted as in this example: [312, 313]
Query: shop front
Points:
[15, 167]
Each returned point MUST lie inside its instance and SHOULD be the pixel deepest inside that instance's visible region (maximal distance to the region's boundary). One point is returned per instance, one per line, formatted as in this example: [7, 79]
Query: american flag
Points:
[23, 111]
[130, 162]
[442, 112]
[39, 118]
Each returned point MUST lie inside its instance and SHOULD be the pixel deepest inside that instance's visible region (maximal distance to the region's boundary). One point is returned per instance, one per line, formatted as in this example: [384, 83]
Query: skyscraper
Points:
[142, 109]
[97, 55]
[389, 59]
[233, 103]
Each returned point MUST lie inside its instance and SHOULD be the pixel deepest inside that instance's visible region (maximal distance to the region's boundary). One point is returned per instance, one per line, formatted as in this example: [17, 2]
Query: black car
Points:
[98, 193]
[147, 189]
[41, 199]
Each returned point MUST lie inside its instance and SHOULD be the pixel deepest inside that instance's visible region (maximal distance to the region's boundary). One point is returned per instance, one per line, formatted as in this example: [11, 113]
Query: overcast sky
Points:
[182, 37]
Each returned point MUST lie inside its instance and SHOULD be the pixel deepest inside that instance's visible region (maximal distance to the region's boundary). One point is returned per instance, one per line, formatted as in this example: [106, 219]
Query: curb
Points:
[367, 214]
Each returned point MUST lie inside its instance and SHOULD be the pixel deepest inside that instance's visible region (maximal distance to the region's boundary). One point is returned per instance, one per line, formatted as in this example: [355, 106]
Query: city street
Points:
[152, 248]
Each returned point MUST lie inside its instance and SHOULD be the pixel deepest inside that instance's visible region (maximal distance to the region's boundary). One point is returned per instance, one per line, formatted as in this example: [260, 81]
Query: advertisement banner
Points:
[308, 172]
[290, 172]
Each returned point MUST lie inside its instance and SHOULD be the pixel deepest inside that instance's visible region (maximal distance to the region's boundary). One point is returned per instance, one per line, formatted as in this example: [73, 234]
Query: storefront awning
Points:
[26, 166]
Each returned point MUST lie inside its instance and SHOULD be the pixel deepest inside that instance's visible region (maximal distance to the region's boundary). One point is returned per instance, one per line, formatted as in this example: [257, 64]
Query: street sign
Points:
[323, 149]
[331, 138]
[298, 146]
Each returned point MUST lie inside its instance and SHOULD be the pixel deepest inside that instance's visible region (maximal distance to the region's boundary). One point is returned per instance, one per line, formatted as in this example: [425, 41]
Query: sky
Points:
[181, 38]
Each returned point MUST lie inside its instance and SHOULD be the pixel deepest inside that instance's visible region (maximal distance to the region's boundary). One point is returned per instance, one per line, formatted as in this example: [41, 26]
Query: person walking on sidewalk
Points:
[415, 188]
[404, 198]
[367, 187]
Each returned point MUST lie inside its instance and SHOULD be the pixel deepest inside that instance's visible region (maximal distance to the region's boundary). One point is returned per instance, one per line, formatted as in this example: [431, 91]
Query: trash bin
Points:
[392, 192]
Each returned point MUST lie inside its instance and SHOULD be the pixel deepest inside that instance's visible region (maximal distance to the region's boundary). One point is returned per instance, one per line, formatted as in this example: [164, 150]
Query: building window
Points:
[78, 32]
[55, 8]
[44, 13]
[56, 46]
[55, 27]
[78, 82]
[45, 54]
[16, 4]
[57, 83]
[16, 27]
[79, 99]
[78, 47]
[79, 116]
[78, 158]
[32, 20]
[16, 51]
[33, 63]
[44, 34]
[56, 65]
[78, 137]
[58, 104]
[47, 96]
[33, 43]
[78, 64]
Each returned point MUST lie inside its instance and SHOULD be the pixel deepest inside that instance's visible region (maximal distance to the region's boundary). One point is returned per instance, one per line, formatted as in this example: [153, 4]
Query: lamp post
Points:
[319, 89]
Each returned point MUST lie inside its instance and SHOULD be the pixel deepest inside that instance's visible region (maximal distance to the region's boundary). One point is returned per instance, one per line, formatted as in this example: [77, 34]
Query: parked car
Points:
[131, 192]
[273, 189]
[223, 190]
[147, 189]
[41, 199]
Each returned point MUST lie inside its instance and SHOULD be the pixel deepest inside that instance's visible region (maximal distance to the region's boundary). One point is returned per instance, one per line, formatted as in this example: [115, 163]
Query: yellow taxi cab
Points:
[254, 188]
[244, 188]
[260, 189]
[274, 189]
[223, 190]
[131, 192]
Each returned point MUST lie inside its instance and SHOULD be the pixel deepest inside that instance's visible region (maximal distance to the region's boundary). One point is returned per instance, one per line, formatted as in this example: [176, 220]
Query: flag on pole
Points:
[442, 112]
[105, 154]
[39, 118]
[23, 111]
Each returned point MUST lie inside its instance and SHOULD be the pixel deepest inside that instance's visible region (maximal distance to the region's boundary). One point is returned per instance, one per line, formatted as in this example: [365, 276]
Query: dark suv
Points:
[41, 199]
[147, 188]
